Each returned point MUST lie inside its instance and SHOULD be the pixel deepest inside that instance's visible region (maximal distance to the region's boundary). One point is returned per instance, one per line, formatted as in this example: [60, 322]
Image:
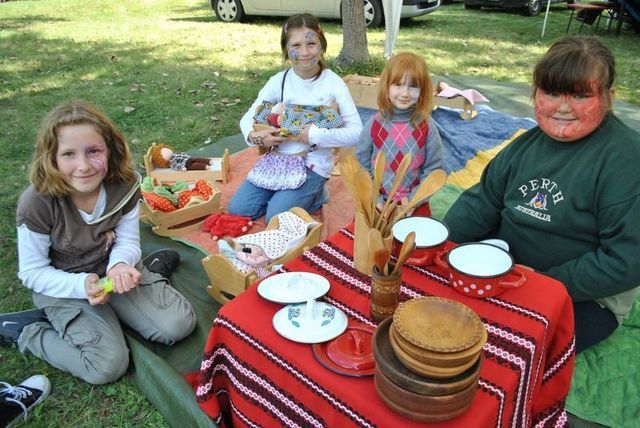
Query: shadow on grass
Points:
[27, 21]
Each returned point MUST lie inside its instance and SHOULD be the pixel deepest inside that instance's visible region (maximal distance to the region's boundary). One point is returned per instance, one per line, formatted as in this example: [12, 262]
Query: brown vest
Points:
[75, 245]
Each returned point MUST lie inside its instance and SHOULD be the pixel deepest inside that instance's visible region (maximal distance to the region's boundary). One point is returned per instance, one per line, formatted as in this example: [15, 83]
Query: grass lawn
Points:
[167, 71]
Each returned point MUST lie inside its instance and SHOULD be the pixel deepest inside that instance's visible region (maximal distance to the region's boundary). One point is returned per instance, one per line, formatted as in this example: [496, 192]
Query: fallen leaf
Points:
[128, 109]
[194, 92]
[208, 84]
[199, 104]
[207, 141]
[137, 87]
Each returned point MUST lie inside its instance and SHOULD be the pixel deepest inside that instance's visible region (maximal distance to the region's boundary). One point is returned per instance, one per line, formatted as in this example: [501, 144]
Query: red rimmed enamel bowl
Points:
[431, 236]
[481, 270]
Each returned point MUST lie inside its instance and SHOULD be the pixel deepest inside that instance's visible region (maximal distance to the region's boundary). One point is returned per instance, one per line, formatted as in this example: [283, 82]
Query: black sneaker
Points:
[16, 401]
[11, 324]
[163, 261]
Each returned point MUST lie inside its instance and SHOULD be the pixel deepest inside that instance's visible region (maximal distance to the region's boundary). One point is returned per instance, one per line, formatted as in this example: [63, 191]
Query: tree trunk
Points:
[354, 34]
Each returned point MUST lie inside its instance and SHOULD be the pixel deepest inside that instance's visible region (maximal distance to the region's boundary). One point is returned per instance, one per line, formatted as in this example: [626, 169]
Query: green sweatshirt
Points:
[570, 210]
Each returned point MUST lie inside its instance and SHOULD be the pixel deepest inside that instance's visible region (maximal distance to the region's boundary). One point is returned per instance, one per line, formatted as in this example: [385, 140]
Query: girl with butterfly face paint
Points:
[78, 222]
[307, 82]
[566, 194]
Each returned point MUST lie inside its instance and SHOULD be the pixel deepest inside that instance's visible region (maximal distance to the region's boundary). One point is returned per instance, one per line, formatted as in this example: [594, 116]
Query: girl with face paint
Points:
[403, 126]
[305, 82]
[78, 222]
[565, 195]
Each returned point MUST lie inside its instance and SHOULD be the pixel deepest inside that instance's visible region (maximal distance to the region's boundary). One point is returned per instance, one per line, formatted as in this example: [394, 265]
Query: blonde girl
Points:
[78, 222]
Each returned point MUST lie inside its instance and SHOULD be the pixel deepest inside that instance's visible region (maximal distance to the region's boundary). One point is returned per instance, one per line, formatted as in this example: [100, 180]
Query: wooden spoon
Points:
[407, 248]
[430, 185]
[377, 249]
[363, 186]
[378, 174]
[400, 173]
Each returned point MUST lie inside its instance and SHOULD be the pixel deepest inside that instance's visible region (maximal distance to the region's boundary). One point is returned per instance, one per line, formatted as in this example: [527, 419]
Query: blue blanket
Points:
[463, 139]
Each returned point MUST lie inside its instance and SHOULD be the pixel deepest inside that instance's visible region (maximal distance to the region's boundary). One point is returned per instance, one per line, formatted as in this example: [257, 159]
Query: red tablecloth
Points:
[257, 378]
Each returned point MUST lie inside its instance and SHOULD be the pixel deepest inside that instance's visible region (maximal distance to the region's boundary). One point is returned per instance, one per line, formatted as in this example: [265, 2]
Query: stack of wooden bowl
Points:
[428, 358]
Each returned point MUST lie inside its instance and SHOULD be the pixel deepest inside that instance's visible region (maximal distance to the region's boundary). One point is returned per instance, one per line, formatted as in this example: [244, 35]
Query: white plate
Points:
[328, 322]
[293, 287]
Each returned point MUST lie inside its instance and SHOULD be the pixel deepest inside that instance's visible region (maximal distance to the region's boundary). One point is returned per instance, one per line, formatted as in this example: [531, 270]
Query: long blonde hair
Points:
[414, 67]
[44, 173]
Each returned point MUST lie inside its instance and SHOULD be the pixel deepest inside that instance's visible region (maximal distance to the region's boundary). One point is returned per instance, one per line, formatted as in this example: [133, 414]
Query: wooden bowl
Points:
[424, 369]
[440, 359]
[423, 408]
[388, 363]
[438, 324]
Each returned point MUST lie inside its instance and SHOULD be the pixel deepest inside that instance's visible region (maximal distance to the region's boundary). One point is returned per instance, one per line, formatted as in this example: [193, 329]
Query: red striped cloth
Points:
[251, 376]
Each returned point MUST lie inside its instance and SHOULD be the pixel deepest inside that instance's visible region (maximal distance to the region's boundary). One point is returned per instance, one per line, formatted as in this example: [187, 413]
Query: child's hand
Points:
[125, 278]
[95, 293]
[266, 137]
[303, 137]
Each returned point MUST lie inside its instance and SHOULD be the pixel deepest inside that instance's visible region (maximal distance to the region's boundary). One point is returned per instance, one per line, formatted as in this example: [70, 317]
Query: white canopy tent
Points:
[392, 10]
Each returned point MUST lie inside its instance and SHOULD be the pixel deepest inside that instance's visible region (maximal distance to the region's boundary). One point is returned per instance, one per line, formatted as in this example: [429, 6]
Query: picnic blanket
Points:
[159, 371]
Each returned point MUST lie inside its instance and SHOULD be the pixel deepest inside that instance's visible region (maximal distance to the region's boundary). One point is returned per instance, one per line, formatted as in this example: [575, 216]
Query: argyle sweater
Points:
[396, 137]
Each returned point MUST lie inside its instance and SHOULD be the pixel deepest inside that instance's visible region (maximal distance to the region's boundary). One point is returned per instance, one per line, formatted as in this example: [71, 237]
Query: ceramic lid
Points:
[437, 324]
[293, 287]
[311, 322]
[350, 354]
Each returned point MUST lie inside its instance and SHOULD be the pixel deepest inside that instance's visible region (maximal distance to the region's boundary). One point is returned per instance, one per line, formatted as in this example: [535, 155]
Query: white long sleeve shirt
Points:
[327, 89]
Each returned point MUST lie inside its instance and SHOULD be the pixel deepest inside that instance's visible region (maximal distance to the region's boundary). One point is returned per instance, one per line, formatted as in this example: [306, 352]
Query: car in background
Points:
[529, 7]
[236, 10]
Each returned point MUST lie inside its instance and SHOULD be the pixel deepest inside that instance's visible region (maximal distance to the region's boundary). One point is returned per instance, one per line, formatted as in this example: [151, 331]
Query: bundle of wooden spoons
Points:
[365, 190]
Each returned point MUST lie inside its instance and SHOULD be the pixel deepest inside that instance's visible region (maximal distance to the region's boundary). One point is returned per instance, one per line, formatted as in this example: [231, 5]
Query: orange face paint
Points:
[569, 117]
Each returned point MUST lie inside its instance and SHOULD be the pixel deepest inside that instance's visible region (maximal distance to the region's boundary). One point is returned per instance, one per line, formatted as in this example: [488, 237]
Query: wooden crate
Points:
[178, 222]
[168, 175]
[227, 281]
[364, 91]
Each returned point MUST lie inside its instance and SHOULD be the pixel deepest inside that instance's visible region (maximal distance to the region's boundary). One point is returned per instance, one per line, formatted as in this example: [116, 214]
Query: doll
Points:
[163, 156]
[291, 119]
[283, 166]
[251, 254]
[257, 251]
[247, 257]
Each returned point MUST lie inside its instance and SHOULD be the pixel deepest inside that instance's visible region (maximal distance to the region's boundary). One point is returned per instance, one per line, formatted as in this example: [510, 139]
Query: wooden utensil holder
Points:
[362, 255]
[385, 293]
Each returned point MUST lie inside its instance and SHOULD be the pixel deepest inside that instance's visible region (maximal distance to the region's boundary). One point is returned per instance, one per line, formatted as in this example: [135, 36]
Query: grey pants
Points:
[88, 342]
